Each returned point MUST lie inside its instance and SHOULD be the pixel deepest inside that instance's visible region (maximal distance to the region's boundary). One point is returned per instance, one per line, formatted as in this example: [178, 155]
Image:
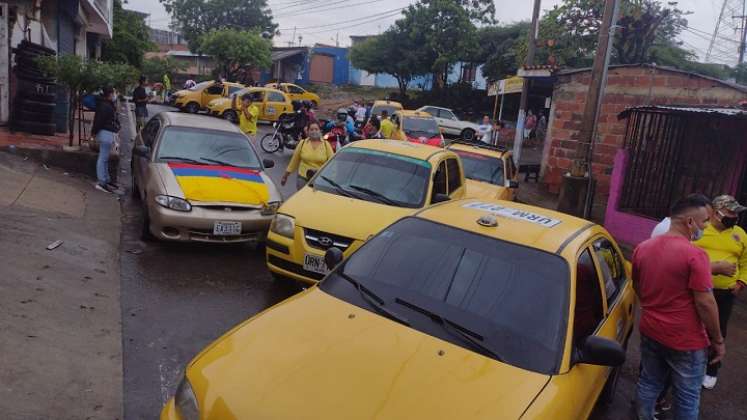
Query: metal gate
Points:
[322, 68]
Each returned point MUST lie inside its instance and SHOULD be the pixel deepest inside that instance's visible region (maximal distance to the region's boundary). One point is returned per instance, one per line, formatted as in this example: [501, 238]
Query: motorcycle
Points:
[286, 135]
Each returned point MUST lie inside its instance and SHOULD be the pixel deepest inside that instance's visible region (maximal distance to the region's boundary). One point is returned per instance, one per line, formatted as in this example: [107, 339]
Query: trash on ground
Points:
[54, 245]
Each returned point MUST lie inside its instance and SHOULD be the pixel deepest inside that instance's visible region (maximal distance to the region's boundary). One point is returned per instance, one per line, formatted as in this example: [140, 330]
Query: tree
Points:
[130, 38]
[479, 11]
[154, 68]
[740, 73]
[234, 50]
[446, 31]
[79, 76]
[497, 49]
[394, 52]
[194, 18]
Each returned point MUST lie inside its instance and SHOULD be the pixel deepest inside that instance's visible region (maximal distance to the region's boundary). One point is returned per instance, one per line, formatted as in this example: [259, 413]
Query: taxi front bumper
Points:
[285, 256]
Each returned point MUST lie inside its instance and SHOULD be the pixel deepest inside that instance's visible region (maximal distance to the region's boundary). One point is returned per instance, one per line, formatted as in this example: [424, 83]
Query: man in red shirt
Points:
[672, 279]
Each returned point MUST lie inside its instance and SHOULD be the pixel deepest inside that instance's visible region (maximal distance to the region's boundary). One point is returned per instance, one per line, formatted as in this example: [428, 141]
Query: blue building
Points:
[318, 64]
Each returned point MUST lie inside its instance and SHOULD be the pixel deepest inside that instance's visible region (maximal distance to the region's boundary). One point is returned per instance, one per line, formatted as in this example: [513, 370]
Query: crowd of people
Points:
[687, 277]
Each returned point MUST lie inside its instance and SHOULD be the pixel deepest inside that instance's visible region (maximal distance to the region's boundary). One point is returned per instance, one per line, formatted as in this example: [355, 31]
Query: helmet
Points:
[342, 114]
[296, 105]
[308, 104]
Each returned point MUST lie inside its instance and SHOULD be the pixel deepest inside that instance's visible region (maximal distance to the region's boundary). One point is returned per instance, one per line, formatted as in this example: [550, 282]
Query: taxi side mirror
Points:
[332, 257]
[600, 351]
[268, 163]
[439, 198]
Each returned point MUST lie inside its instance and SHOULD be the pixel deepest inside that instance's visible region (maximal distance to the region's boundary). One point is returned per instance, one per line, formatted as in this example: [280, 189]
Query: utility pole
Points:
[293, 37]
[519, 137]
[576, 194]
[743, 37]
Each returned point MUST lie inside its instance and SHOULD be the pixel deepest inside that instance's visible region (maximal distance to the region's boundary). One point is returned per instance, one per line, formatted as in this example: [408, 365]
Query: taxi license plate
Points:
[226, 228]
[315, 264]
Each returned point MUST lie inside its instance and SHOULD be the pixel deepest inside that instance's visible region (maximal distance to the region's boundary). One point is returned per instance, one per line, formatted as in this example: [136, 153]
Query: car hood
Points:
[217, 184]
[485, 190]
[314, 356]
[345, 216]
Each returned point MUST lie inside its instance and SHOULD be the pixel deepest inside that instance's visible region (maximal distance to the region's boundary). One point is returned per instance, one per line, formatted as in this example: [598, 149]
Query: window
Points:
[233, 89]
[275, 97]
[612, 267]
[588, 312]
[439, 180]
[481, 283]
[214, 90]
[150, 131]
[295, 89]
[454, 172]
[469, 71]
[446, 114]
[482, 168]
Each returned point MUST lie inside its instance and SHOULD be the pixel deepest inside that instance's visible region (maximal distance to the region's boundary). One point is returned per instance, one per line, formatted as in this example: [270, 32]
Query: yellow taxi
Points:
[471, 309]
[295, 92]
[417, 127]
[490, 170]
[363, 188]
[272, 103]
[385, 105]
[196, 98]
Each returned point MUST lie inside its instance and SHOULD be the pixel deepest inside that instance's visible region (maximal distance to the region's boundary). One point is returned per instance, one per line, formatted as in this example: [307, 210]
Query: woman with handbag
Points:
[105, 128]
[311, 154]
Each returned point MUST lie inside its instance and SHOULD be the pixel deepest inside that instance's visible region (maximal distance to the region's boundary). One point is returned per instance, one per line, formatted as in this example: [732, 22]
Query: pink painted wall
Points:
[626, 228]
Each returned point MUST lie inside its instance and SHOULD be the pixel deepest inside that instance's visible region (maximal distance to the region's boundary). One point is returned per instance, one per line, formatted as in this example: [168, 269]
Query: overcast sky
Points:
[322, 21]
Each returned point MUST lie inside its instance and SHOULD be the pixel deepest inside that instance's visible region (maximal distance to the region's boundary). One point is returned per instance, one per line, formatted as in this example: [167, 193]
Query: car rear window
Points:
[482, 168]
[421, 127]
[377, 109]
[514, 297]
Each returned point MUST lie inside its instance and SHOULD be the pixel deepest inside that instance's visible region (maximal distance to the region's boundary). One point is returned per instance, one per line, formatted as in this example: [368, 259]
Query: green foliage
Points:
[498, 49]
[672, 55]
[154, 68]
[479, 11]
[740, 74]
[446, 31]
[198, 17]
[130, 38]
[235, 50]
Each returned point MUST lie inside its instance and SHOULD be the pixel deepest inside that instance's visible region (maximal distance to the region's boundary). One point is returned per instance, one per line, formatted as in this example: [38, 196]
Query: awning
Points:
[283, 54]
[728, 112]
[100, 15]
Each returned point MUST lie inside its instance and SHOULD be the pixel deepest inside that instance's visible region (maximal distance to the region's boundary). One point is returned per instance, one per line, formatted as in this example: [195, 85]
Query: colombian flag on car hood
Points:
[227, 184]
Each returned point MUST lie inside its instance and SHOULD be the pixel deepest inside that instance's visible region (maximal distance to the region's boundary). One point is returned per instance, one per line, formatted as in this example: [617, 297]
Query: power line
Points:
[349, 20]
[354, 25]
[325, 8]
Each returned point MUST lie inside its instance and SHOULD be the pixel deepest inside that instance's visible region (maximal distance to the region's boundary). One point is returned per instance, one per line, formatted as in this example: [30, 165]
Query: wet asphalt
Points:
[178, 298]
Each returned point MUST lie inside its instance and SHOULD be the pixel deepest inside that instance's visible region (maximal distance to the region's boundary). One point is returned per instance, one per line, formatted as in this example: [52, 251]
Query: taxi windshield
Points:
[206, 147]
[376, 176]
[482, 168]
[418, 267]
[200, 86]
[421, 127]
[390, 109]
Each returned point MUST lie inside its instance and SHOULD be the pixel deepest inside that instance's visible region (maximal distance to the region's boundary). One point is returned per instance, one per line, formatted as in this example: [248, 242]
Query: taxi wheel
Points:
[192, 107]
[231, 116]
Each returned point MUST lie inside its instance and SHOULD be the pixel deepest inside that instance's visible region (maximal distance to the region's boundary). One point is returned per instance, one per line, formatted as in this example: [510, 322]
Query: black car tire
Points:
[192, 107]
[468, 134]
[271, 143]
[231, 116]
[40, 117]
[36, 106]
[33, 127]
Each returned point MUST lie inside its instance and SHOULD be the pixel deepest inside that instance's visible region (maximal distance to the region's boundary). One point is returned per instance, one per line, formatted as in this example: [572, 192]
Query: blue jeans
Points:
[685, 370]
[105, 140]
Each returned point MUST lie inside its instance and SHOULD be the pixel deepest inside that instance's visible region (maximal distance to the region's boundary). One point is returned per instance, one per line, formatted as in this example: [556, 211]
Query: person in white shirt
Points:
[485, 130]
[360, 115]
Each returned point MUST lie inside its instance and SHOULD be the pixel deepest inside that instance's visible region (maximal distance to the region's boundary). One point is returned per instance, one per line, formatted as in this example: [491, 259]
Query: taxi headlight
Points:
[269, 209]
[283, 225]
[173, 203]
[185, 401]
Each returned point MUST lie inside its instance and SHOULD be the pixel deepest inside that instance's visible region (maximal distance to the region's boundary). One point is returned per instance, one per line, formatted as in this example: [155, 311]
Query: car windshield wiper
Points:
[464, 333]
[374, 300]
[223, 163]
[338, 187]
[182, 159]
[377, 195]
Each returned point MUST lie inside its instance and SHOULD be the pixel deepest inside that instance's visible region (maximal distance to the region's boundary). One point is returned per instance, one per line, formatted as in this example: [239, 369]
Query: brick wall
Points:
[626, 87]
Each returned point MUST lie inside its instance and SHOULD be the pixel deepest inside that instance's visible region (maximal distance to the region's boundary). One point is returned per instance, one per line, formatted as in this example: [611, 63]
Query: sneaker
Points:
[662, 409]
[709, 382]
[104, 188]
[112, 185]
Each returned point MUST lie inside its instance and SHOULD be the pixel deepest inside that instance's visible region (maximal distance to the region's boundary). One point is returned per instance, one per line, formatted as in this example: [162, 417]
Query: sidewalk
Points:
[60, 319]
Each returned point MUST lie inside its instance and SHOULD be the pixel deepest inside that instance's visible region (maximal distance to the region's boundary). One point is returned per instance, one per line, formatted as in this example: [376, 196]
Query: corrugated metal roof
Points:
[729, 112]
[283, 54]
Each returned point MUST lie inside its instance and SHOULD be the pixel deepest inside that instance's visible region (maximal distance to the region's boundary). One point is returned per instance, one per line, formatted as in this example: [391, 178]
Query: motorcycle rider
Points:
[339, 129]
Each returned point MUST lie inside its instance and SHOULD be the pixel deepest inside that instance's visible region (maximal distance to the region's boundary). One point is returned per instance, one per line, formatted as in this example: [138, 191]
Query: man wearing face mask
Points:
[723, 240]
[679, 316]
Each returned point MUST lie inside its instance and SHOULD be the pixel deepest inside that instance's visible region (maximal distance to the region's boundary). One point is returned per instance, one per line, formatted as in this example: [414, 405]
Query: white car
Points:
[450, 124]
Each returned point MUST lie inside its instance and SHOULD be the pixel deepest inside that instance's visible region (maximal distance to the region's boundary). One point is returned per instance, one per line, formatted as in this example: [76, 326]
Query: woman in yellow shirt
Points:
[311, 153]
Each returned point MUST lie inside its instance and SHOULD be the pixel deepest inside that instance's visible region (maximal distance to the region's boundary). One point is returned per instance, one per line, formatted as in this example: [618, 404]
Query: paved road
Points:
[178, 298]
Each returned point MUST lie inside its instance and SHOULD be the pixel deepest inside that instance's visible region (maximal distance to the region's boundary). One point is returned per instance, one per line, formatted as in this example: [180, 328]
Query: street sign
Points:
[511, 85]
